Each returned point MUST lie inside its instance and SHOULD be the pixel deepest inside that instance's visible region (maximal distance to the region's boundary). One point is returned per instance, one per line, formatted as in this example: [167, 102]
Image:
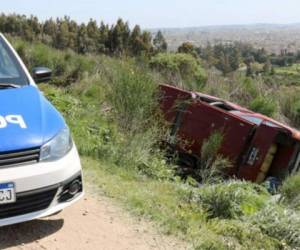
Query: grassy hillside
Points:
[111, 107]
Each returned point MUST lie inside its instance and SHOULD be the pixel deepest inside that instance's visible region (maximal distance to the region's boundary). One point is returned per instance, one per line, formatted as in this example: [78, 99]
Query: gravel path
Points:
[92, 223]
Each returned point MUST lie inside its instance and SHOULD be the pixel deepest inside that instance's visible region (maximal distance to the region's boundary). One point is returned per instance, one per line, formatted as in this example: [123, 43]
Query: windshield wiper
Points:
[9, 85]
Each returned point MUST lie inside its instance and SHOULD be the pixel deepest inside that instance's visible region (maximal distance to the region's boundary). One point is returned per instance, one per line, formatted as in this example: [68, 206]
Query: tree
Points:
[176, 67]
[73, 30]
[119, 37]
[209, 55]
[146, 38]
[249, 59]
[49, 31]
[62, 36]
[34, 24]
[126, 36]
[235, 59]
[187, 48]
[224, 63]
[249, 71]
[267, 67]
[82, 39]
[135, 41]
[272, 71]
[92, 33]
[103, 39]
[159, 42]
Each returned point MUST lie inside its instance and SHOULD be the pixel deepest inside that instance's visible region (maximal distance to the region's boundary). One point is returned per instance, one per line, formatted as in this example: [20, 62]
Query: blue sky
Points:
[162, 13]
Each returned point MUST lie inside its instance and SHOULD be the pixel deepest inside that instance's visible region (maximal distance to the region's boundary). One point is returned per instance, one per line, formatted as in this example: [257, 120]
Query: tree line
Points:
[65, 33]
[234, 56]
[119, 39]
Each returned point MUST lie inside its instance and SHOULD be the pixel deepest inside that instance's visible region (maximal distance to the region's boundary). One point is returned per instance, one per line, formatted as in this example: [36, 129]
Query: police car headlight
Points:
[58, 147]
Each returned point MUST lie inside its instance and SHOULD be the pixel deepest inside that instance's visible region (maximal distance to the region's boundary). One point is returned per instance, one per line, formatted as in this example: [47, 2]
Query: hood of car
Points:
[27, 119]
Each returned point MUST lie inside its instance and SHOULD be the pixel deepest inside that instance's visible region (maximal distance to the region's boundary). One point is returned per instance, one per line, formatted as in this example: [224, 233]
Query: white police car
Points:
[40, 170]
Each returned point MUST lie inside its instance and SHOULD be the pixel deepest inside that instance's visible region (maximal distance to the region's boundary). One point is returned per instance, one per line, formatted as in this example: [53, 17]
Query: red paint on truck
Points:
[257, 145]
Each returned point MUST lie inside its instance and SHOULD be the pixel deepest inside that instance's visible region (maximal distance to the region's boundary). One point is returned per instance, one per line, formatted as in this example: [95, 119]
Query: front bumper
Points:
[41, 188]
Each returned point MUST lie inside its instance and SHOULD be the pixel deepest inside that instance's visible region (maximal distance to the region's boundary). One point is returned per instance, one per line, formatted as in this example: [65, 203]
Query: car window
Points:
[10, 69]
[249, 118]
[252, 119]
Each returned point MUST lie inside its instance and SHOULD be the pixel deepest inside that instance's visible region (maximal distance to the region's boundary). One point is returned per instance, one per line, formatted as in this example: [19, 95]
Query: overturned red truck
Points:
[258, 146]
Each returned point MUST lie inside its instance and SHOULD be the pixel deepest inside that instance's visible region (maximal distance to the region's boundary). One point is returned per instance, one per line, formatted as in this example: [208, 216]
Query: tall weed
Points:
[212, 164]
[279, 223]
[290, 191]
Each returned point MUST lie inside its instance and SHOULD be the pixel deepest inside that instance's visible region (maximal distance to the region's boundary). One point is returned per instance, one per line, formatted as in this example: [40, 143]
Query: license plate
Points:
[7, 193]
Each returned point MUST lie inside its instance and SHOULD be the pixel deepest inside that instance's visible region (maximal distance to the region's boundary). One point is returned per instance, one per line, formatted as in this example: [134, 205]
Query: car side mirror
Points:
[41, 74]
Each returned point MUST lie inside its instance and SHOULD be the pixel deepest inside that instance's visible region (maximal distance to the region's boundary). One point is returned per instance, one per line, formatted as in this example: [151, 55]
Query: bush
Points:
[232, 199]
[212, 164]
[290, 105]
[279, 223]
[264, 105]
[290, 191]
[67, 66]
[241, 234]
[180, 68]
[93, 134]
[132, 94]
[294, 111]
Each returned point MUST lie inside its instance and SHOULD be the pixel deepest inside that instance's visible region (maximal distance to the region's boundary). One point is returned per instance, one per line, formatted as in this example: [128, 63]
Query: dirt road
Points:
[93, 223]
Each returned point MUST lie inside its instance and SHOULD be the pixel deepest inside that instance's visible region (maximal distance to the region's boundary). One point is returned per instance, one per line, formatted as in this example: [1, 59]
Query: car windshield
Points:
[11, 71]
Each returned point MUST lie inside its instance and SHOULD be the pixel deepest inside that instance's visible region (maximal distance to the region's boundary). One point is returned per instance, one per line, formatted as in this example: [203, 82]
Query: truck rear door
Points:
[262, 151]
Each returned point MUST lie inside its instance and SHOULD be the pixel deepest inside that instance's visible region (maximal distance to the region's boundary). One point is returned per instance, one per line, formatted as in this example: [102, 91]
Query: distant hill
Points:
[273, 37]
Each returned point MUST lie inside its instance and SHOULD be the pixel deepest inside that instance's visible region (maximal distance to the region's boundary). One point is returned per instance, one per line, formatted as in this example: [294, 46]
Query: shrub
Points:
[137, 150]
[295, 111]
[180, 68]
[93, 134]
[290, 191]
[290, 105]
[231, 199]
[249, 88]
[241, 234]
[67, 66]
[279, 223]
[132, 94]
[212, 164]
[264, 105]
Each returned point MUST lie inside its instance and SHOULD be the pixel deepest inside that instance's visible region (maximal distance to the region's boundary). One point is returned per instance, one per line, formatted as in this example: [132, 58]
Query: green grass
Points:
[171, 206]
[289, 76]
[289, 70]
[290, 191]
[111, 109]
